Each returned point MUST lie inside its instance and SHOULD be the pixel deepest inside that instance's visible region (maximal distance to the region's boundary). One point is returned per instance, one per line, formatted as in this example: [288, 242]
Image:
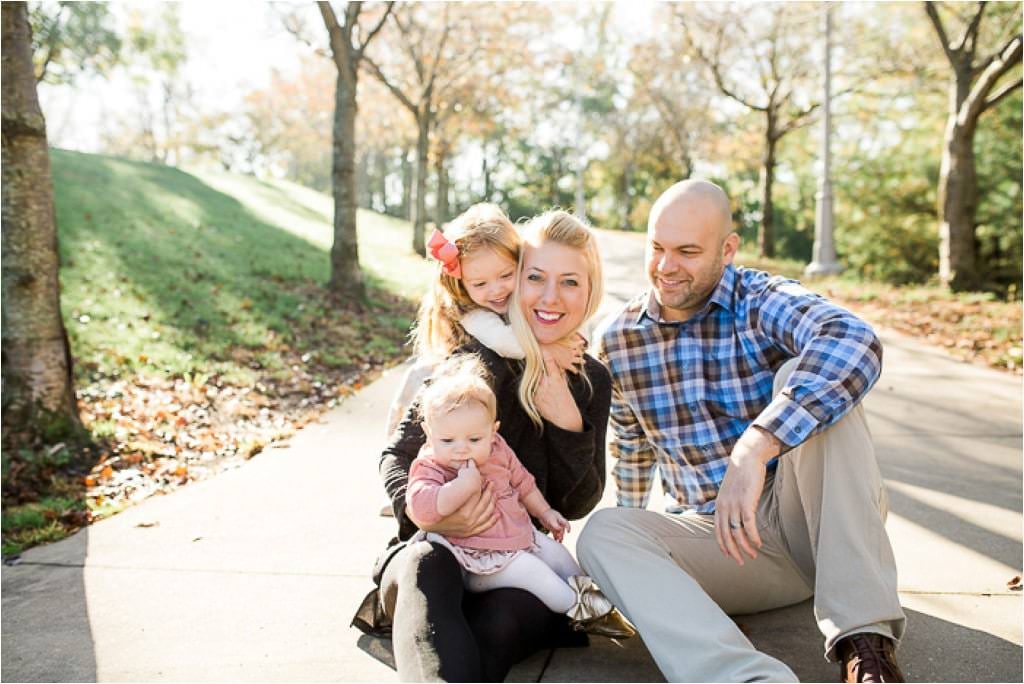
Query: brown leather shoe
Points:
[868, 657]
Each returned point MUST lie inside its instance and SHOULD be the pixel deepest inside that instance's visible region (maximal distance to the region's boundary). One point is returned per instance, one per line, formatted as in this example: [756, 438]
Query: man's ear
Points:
[729, 248]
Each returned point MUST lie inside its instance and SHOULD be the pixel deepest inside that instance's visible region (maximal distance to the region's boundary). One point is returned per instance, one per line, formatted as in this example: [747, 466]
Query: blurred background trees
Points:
[533, 105]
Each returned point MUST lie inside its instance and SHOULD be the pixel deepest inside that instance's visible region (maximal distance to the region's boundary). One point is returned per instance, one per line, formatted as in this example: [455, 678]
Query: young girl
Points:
[470, 298]
[462, 451]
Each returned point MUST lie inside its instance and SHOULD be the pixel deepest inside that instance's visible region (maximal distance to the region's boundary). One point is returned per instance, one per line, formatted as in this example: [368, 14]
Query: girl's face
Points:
[553, 290]
[461, 435]
[489, 278]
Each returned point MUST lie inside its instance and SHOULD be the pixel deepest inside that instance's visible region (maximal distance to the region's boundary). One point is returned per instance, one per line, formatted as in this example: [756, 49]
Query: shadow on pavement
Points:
[933, 650]
[377, 648]
[46, 631]
[986, 542]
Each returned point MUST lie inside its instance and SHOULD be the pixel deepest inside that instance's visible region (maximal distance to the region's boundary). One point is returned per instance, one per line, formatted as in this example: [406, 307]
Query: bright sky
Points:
[232, 47]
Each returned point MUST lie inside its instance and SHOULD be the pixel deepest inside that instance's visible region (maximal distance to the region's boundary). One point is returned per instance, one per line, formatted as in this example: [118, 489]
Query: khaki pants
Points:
[822, 521]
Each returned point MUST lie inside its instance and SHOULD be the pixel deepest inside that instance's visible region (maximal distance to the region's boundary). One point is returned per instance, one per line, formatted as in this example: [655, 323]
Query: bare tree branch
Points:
[52, 49]
[715, 69]
[405, 28]
[980, 68]
[399, 95]
[352, 10]
[975, 103]
[298, 31]
[435, 68]
[375, 30]
[798, 120]
[971, 32]
[933, 14]
[334, 34]
[1006, 90]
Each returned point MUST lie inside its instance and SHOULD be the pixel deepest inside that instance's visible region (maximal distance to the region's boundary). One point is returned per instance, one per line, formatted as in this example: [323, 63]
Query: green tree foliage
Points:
[72, 38]
[998, 234]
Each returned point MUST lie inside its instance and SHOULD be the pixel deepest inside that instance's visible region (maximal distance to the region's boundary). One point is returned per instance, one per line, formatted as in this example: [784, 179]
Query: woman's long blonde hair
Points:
[438, 331]
[562, 228]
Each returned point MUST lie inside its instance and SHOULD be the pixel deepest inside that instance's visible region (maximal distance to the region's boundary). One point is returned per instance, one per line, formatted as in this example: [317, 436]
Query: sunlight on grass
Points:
[169, 270]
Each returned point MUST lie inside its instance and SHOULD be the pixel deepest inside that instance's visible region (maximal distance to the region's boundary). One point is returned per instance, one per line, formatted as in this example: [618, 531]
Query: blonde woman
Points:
[555, 421]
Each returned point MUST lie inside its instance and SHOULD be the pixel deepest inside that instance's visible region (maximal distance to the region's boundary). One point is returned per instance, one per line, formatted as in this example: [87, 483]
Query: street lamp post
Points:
[824, 254]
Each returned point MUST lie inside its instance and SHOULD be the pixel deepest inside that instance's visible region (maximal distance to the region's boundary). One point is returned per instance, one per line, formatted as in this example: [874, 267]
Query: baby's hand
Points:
[470, 475]
[555, 523]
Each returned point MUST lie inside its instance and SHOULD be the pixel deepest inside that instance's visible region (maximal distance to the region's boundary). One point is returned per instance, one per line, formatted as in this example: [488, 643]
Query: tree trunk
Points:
[382, 183]
[37, 381]
[485, 170]
[346, 275]
[419, 207]
[406, 186]
[363, 180]
[441, 215]
[628, 194]
[766, 235]
[958, 195]
[686, 161]
[958, 201]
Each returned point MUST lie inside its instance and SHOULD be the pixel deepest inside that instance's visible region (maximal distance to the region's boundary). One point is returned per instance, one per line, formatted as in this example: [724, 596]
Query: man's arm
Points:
[840, 359]
[634, 455]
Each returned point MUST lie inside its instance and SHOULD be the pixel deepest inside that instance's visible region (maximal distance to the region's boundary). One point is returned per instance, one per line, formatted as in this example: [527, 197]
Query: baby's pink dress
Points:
[494, 548]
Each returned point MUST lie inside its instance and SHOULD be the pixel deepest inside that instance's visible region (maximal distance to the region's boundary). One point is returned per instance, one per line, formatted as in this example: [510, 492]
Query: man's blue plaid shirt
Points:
[683, 393]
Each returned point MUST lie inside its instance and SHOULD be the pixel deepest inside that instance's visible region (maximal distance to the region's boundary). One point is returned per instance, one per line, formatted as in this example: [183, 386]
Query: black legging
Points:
[443, 633]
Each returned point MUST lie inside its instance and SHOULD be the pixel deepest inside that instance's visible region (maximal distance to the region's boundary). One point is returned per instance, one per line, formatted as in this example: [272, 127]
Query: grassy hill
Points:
[200, 330]
[171, 271]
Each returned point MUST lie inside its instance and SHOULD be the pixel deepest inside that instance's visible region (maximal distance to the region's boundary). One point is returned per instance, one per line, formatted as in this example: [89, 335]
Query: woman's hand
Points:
[476, 515]
[554, 400]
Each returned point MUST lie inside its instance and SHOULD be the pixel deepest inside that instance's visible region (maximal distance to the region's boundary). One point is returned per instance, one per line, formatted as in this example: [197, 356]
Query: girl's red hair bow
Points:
[445, 251]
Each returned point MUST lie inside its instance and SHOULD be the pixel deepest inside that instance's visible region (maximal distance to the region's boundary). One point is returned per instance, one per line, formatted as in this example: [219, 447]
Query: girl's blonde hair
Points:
[456, 382]
[438, 331]
[563, 228]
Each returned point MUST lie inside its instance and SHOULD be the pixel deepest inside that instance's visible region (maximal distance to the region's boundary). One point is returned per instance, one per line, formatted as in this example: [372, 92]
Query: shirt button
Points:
[692, 406]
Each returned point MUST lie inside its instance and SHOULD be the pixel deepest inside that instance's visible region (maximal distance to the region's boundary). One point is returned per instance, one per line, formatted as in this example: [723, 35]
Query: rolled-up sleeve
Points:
[839, 360]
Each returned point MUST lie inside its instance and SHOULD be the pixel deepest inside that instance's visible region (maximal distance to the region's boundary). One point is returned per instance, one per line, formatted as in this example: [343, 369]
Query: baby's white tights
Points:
[543, 573]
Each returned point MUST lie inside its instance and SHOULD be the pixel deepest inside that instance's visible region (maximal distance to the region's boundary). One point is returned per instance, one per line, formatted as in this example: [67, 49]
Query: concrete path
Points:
[254, 575]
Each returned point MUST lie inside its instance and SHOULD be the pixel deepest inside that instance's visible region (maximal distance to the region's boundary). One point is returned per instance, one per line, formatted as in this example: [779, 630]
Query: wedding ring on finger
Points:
[735, 525]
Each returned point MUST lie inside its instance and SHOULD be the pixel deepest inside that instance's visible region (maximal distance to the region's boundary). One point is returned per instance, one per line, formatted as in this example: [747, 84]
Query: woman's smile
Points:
[553, 290]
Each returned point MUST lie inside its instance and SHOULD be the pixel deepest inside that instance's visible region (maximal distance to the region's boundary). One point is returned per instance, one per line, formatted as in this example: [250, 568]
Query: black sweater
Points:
[568, 466]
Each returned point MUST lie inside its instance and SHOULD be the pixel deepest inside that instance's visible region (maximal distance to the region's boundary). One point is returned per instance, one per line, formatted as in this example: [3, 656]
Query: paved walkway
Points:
[253, 575]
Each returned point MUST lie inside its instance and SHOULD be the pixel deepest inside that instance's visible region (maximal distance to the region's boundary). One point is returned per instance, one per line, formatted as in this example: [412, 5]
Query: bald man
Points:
[744, 391]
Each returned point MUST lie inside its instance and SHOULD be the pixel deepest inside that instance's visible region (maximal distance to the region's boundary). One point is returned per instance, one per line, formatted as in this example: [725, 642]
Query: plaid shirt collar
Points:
[722, 295]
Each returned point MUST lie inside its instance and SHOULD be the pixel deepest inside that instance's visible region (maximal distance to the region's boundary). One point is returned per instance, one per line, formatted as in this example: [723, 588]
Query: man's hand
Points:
[736, 505]
[476, 515]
